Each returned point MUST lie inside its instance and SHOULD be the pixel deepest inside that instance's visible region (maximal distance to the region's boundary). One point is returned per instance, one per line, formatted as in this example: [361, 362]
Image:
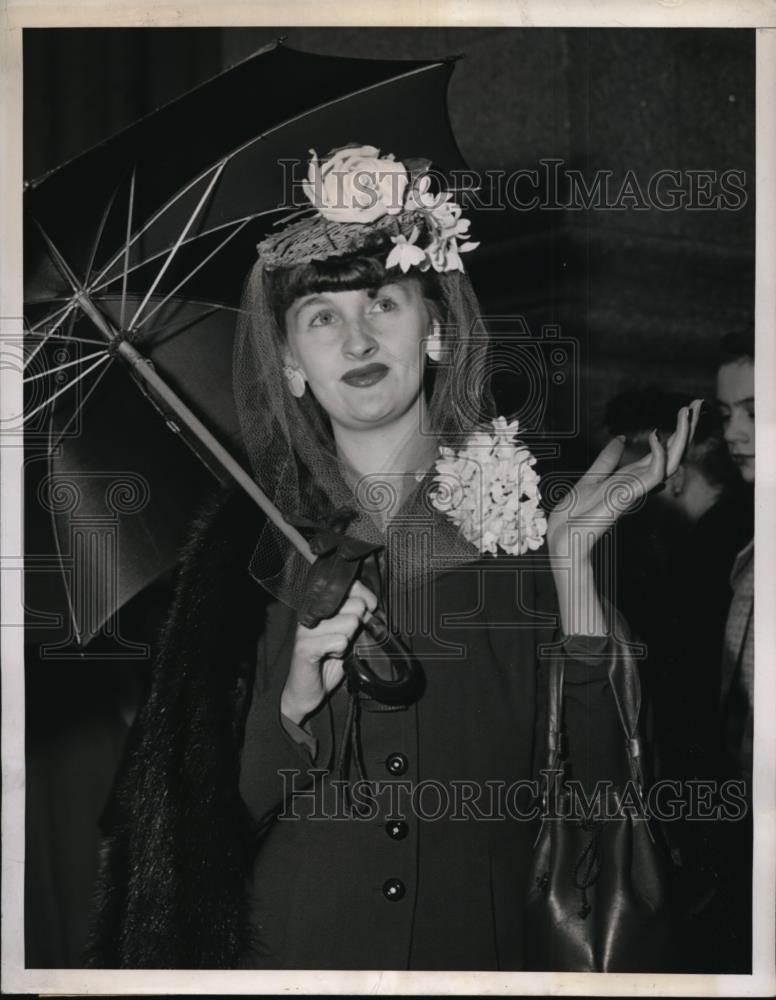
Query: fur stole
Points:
[172, 889]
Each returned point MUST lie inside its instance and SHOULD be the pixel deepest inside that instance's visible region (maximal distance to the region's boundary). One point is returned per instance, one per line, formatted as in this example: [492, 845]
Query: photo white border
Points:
[14, 16]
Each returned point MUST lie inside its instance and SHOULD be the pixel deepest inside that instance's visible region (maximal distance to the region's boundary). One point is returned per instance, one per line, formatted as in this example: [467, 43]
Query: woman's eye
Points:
[323, 318]
[384, 304]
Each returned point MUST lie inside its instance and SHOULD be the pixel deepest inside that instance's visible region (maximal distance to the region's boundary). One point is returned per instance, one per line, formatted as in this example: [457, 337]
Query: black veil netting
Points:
[292, 456]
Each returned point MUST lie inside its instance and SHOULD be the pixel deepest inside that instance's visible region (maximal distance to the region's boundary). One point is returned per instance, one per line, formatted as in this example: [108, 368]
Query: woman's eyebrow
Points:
[397, 285]
[308, 300]
[744, 401]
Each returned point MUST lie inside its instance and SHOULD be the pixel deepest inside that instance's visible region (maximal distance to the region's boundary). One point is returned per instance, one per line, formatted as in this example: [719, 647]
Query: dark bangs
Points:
[342, 274]
[737, 346]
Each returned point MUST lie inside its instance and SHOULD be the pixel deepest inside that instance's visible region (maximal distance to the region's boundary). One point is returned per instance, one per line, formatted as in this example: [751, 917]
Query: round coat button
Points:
[396, 763]
[393, 889]
[396, 829]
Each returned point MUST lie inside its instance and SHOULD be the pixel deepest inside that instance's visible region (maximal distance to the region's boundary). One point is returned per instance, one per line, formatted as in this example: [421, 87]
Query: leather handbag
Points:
[599, 895]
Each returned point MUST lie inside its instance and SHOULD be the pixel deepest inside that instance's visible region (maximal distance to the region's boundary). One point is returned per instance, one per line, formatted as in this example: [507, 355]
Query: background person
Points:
[675, 558]
[735, 402]
[676, 554]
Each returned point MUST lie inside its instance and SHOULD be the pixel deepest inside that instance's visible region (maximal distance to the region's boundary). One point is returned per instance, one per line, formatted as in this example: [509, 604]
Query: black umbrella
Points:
[136, 251]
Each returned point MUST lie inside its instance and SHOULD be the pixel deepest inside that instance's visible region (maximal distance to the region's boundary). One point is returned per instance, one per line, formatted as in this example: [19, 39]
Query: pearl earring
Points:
[434, 344]
[296, 381]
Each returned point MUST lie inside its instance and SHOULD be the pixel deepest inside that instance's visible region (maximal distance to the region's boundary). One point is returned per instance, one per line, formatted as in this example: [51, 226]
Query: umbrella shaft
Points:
[145, 370]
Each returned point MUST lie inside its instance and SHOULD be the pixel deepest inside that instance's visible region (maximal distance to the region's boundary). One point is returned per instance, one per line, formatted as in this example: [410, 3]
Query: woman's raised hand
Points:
[605, 492]
[317, 661]
[592, 506]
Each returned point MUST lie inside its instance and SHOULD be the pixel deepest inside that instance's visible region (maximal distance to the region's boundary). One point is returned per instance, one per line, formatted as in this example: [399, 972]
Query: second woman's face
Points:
[735, 401]
[360, 351]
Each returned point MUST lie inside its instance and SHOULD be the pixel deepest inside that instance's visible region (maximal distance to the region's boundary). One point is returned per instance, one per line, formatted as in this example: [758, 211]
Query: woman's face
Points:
[360, 351]
[735, 399]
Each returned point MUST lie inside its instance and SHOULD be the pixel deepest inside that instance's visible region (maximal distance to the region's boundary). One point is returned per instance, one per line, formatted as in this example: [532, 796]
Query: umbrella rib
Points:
[50, 333]
[197, 209]
[78, 409]
[166, 331]
[59, 368]
[192, 239]
[190, 275]
[130, 213]
[69, 385]
[69, 337]
[48, 319]
[154, 218]
[100, 231]
[59, 259]
[66, 272]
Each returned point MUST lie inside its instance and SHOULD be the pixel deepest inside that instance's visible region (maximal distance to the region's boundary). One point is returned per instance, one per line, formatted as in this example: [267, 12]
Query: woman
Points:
[735, 401]
[732, 858]
[241, 833]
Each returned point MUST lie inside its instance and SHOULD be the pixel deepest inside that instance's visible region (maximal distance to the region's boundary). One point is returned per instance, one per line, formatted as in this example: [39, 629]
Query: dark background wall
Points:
[646, 293]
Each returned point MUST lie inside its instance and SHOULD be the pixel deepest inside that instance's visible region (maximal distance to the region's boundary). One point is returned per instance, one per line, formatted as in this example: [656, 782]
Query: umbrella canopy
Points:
[137, 249]
[232, 132]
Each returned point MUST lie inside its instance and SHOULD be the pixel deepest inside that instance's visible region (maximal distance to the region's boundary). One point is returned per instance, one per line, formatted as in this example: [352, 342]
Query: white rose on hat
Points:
[356, 184]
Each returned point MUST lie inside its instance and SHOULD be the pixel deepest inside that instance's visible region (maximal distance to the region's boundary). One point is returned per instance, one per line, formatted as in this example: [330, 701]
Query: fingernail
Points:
[620, 437]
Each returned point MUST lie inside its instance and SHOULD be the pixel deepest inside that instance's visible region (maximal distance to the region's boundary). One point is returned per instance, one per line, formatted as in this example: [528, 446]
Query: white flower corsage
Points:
[489, 489]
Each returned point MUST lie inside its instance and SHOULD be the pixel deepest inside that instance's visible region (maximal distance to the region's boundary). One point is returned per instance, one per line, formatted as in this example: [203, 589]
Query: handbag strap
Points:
[555, 734]
[626, 690]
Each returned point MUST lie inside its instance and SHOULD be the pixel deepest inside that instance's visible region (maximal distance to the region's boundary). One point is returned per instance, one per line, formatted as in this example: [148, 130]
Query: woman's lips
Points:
[366, 376]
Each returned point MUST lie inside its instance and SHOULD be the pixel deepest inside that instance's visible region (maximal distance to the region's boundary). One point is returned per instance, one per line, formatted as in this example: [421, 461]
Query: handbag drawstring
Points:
[350, 748]
[589, 864]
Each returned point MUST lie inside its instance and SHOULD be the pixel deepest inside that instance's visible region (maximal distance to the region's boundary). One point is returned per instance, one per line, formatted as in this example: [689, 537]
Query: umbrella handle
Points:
[376, 646]
[379, 664]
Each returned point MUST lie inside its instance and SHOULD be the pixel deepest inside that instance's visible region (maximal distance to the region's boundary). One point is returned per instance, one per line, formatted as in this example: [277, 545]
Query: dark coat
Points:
[199, 869]
[172, 886]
